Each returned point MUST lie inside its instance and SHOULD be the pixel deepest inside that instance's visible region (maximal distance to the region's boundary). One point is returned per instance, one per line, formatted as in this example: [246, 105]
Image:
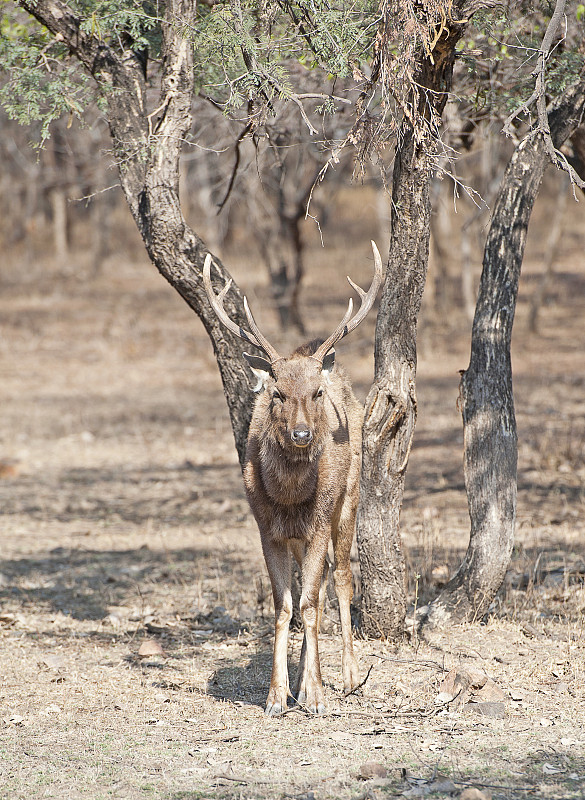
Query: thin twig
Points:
[359, 686]
[475, 784]
[413, 661]
[239, 140]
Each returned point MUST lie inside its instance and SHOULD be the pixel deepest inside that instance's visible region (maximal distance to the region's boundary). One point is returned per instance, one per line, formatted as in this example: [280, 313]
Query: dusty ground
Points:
[123, 521]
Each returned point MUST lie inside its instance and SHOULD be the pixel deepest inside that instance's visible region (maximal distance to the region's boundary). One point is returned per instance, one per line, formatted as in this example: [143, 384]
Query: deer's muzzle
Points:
[301, 436]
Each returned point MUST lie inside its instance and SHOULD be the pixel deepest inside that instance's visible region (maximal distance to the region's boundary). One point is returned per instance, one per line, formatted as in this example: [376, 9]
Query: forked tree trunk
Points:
[390, 412]
[391, 408]
[487, 403]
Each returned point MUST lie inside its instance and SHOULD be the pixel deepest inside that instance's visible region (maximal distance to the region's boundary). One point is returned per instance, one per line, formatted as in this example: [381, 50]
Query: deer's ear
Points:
[261, 368]
[328, 364]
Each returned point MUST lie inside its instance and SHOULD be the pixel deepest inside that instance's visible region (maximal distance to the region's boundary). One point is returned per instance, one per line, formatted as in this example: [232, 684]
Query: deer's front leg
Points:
[310, 687]
[278, 562]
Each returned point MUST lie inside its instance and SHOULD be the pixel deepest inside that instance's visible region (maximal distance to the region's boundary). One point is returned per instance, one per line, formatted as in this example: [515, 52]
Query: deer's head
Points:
[295, 387]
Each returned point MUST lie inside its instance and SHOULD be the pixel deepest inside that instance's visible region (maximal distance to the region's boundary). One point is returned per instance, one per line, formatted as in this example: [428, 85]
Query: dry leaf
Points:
[54, 662]
[468, 684]
[150, 647]
[551, 769]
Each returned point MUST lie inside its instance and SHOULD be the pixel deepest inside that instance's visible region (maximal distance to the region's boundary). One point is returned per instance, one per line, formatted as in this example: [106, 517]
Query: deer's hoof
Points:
[351, 675]
[276, 702]
[315, 704]
[274, 709]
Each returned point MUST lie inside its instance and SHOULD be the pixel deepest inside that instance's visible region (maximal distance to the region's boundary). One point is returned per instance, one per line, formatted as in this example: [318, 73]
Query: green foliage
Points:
[39, 82]
[247, 50]
[509, 40]
[133, 23]
[251, 53]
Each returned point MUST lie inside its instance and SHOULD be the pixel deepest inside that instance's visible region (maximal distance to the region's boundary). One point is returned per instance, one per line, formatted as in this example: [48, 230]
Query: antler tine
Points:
[368, 297]
[216, 301]
[337, 334]
[263, 342]
[367, 301]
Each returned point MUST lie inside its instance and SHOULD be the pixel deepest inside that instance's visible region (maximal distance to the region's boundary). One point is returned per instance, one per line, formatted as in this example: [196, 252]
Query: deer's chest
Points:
[292, 501]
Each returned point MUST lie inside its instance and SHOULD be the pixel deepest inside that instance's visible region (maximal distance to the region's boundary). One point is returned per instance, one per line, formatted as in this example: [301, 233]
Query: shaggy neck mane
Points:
[289, 478]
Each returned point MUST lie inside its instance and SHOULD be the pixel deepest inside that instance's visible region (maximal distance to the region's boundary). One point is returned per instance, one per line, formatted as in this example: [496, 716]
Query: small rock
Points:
[471, 793]
[150, 648]
[372, 769]
[435, 787]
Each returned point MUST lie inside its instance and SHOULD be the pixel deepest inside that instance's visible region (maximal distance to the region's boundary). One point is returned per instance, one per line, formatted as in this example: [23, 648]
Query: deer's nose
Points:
[301, 436]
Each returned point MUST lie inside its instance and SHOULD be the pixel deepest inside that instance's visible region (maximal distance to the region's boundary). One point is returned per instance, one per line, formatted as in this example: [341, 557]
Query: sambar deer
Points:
[301, 474]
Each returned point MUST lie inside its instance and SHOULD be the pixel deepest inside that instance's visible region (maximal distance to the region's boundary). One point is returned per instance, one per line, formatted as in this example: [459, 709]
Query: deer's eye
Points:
[276, 395]
[318, 393]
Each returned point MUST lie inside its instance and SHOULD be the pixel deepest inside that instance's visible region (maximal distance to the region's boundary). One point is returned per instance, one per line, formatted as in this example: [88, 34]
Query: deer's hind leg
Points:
[342, 535]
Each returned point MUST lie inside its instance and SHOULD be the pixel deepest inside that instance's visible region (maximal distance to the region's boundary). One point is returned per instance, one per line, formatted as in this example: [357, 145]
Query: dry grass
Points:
[123, 520]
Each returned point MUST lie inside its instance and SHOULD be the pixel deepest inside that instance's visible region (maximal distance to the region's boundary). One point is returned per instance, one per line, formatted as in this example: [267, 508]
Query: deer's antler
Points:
[348, 323]
[255, 337]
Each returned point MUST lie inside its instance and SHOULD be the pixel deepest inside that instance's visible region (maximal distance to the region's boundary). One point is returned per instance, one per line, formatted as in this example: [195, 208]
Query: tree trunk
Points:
[390, 413]
[391, 403]
[487, 403]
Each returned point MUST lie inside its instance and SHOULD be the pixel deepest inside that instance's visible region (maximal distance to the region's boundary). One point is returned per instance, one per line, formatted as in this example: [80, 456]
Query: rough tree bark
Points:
[391, 406]
[487, 403]
[147, 148]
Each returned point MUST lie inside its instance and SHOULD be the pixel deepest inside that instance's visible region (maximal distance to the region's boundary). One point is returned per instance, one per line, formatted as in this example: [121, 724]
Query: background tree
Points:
[486, 394]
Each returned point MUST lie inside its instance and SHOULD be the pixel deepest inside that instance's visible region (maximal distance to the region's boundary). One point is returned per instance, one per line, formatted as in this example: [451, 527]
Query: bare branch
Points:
[538, 97]
[539, 93]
